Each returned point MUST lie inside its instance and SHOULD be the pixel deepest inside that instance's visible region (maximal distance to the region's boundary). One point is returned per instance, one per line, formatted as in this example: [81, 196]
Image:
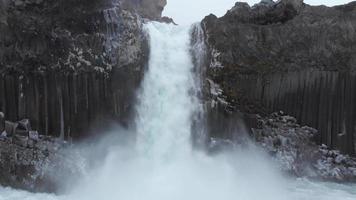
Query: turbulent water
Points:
[161, 163]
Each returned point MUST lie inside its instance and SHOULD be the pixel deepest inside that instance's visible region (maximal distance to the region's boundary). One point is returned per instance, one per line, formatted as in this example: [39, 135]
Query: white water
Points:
[162, 165]
[165, 108]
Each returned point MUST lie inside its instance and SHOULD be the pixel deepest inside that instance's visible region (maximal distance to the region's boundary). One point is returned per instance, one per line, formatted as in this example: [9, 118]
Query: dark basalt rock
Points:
[151, 9]
[292, 147]
[34, 162]
[2, 122]
[69, 65]
[288, 56]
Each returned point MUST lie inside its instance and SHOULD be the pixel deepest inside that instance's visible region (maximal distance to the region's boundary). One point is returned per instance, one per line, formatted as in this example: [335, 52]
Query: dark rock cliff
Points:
[66, 67]
[67, 64]
[287, 56]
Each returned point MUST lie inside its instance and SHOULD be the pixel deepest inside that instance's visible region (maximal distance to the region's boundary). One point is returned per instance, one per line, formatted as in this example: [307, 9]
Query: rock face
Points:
[34, 162]
[292, 147]
[287, 56]
[2, 122]
[67, 64]
[151, 9]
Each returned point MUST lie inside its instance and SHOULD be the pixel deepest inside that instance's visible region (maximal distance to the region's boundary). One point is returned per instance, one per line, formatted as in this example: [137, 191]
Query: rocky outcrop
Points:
[69, 65]
[2, 122]
[34, 162]
[287, 56]
[150, 9]
[292, 147]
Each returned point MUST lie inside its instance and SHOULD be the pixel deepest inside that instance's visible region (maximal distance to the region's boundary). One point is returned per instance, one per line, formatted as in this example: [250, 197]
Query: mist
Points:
[156, 160]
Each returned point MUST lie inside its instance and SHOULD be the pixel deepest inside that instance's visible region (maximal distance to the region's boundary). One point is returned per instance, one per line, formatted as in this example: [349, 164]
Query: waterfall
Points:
[161, 163]
[167, 98]
[198, 51]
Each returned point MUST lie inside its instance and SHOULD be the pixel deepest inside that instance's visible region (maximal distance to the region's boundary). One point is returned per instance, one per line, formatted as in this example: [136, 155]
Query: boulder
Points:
[33, 135]
[20, 128]
[20, 140]
[296, 4]
[150, 9]
[37, 166]
[23, 128]
[10, 128]
[291, 145]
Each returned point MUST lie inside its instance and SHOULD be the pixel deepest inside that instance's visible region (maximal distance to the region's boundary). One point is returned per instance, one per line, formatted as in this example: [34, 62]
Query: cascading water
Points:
[162, 164]
[165, 108]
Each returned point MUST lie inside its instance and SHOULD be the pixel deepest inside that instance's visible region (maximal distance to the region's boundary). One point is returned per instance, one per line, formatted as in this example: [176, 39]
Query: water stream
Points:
[163, 165]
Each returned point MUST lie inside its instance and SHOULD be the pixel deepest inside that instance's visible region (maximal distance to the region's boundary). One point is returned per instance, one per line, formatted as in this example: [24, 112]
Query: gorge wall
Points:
[67, 64]
[287, 56]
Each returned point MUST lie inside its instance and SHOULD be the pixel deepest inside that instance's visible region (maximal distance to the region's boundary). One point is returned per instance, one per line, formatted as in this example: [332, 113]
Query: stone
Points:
[20, 140]
[24, 124]
[267, 3]
[2, 122]
[339, 159]
[76, 65]
[297, 154]
[10, 128]
[3, 14]
[150, 9]
[153, 8]
[19, 2]
[87, 68]
[3, 134]
[33, 135]
[167, 20]
[279, 57]
[296, 4]
[28, 165]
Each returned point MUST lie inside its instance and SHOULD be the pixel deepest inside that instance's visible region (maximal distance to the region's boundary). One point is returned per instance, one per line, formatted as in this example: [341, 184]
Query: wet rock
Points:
[23, 128]
[24, 125]
[267, 3]
[295, 4]
[68, 67]
[20, 140]
[151, 9]
[33, 135]
[296, 153]
[167, 20]
[20, 128]
[72, 68]
[279, 56]
[2, 122]
[33, 162]
[10, 128]
[217, 145]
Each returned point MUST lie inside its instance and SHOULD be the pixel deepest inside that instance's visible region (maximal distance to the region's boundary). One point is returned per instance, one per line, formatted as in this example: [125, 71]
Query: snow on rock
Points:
[293, 148]
[215, 63]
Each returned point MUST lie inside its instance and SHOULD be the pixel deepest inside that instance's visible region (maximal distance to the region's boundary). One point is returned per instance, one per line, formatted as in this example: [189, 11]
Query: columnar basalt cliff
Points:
[65, 65]
[287, 56]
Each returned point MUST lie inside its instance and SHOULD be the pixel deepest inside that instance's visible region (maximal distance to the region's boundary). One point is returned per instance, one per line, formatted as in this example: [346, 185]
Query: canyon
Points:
[280, 74]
